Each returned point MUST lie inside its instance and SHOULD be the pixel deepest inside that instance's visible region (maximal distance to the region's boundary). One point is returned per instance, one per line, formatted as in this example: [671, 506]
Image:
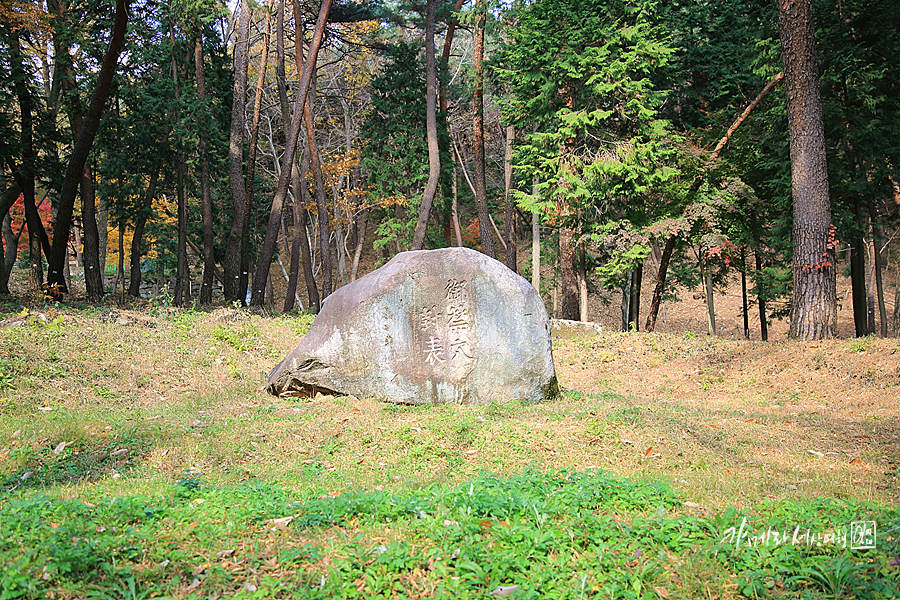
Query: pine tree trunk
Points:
[455, 207]
[582, 284]
[134, 283]
[896, 318]
[209, 259]
[434, 153]
[362, 222]
[870, 297]
[445, 55]
[233, 274]
[626, 301]
[710, 303]
[814, 303]
[182, 283]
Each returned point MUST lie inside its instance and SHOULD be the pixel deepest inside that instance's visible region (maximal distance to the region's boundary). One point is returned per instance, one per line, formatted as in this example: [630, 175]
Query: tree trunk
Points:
[814, 304]
[710, 294]
[120, 264]
[9, 237]
[896, 317]
[9, 256]
[448, 44]
[268, 247]
[434, 154]
[637, 276]
[24, 174]
[209, 257]
[99, 229]
[582, 284]
[761, 301]
[243, 275]
[481, 200]
[858, 275]
[870, 298]
[134, 283]
[321, 206]
[568, 306]
[182, 282]
[300, 253]
[235, 278]
[669, 248]
[75, 167]
[744, 306]
[510, 218]
[362, 221]
[455, 207]
[536, 251]
[879, 267]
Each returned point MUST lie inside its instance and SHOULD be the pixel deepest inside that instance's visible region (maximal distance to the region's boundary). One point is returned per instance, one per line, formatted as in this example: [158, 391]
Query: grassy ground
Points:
[139, 457]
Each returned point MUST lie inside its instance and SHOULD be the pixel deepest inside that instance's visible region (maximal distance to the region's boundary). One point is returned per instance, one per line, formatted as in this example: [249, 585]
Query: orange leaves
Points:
[20, 14]
[340, 164]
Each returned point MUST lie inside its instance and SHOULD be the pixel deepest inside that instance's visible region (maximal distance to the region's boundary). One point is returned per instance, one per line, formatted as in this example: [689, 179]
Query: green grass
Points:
[554, 535]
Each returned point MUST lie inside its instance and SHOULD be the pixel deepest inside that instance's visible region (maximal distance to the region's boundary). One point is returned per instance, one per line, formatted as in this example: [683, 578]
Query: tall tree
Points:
[300, 251]
[182, 276]
[267, 251]
[74, 170]
[434, 152]
[24, 173]
[235, 277]
[209, 256]
[814, 303]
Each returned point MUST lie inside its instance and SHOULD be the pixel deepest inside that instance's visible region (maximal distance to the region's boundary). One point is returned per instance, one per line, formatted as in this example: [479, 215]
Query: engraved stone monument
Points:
[430, 326]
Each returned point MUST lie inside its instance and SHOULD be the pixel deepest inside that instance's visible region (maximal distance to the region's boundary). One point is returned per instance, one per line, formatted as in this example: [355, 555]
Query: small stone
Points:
[791, 486]
[504, 591]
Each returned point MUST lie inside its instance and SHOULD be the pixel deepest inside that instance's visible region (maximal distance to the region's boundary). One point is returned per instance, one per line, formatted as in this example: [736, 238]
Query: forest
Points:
[253, 153]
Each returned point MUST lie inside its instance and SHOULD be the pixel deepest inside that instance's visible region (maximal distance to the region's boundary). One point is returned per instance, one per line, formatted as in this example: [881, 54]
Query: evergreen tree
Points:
[587, 82]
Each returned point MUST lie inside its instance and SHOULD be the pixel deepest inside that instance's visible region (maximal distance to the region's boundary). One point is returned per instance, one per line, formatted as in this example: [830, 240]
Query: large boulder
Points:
[430, 326]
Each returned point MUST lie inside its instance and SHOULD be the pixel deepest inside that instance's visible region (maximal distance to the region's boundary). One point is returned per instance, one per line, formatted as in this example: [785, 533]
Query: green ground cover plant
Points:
[551, 535]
